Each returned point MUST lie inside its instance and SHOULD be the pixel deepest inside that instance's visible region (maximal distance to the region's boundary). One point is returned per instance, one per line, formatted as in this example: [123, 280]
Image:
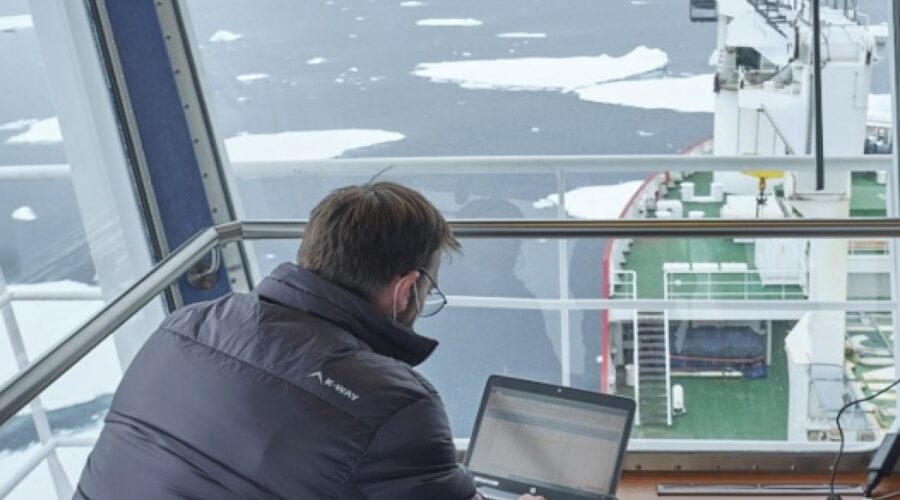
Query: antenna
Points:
[817, 94]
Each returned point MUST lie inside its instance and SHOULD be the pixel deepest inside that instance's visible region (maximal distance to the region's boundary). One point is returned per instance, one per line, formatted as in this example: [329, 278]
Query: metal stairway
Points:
[652, 374]
[771, 10]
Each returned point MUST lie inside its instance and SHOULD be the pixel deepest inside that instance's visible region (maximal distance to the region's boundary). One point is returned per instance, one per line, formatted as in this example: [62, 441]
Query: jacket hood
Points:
[299, 288]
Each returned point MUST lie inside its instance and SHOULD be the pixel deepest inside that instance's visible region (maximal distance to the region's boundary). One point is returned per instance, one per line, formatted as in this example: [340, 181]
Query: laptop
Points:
[558, 442]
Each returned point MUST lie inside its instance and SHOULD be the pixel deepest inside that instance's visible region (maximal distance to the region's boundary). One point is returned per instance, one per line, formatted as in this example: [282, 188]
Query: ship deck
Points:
[736, 408]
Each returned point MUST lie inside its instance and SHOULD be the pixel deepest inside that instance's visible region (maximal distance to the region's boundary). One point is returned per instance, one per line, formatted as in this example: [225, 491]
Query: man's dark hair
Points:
[361, 237]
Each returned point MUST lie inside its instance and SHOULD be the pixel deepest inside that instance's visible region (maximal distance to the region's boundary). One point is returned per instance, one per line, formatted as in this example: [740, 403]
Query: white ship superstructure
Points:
[765, 107]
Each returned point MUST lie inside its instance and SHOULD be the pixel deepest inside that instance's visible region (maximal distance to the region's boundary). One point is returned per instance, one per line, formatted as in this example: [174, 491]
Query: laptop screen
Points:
[538, 439]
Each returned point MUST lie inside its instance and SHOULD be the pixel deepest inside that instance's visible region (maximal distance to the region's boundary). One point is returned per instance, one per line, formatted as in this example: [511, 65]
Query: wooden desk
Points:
[642, 485]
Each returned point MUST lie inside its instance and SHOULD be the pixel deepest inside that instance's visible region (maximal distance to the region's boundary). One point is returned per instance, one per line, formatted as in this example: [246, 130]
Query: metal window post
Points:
[892, 188]
[565, 347]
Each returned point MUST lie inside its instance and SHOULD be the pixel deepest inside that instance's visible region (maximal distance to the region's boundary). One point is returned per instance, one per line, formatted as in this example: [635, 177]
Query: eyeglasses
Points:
[434, 301]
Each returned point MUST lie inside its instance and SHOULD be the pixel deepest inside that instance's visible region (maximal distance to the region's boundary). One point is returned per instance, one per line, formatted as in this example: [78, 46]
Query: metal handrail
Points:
[469, 165]
[29, 383]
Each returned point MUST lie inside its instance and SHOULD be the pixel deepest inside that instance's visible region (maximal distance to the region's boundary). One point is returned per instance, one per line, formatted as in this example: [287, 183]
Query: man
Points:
[304, 388]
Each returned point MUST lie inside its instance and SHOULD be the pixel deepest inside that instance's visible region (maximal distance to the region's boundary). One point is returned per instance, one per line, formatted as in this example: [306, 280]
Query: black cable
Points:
[837, 459]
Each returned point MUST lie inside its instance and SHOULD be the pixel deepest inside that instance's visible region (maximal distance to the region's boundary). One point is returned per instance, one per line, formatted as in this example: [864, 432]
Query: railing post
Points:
[38, 413]
[565, 349]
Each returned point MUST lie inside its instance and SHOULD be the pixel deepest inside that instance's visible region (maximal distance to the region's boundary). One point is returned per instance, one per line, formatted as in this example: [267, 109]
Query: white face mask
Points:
[394, 303]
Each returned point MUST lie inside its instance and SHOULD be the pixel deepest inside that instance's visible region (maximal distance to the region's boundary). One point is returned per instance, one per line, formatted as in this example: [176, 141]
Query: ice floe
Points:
[225, 36]
[412, 3]
[691, 94]
[18, 124]
[251, 77]
[446, 23]
[544, 73]
[42, 323]
[13, 23]
[24, 214]
[39, 484]
[304, 145]
[594, 202]
[316, 60]
[44, 131]
[521, 35]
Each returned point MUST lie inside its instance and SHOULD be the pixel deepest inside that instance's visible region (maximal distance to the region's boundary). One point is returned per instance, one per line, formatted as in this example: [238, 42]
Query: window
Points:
[486, 107]
[71, 235]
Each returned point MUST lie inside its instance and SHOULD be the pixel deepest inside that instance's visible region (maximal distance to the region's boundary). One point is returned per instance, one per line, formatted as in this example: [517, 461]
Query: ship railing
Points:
[47, 453]
[734, 284]
[867, 247]
[849, 8]
[804, 273]
[830, 387]
[772, 12]
[39, 418]
[26, 387]
[623, 284]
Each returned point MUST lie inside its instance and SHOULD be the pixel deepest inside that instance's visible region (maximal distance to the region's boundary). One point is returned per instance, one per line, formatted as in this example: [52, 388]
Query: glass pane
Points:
[477, 342]
[450, 78]
[427, 79]
[737, 347]
[444, 81]
[71, 234]
[69, 415]
[722, 370]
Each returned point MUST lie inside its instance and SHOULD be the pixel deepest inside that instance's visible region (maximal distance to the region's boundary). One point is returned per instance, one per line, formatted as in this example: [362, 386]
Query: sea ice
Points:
[521, 35]
[18, 124]
[24, 214]
[251, 77]
[544, 73]
[42, 323]
[44, 131]
[691, 94]
[225, 36]
[39, 484]
[594, 202]
[467, 22]
[303, 145]
[13, 23]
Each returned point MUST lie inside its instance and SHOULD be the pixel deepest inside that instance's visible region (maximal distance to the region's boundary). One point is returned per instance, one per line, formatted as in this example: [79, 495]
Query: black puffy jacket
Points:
[298, 390]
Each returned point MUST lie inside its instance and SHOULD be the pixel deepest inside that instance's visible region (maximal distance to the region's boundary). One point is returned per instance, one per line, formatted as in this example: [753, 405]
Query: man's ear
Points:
[405, 289]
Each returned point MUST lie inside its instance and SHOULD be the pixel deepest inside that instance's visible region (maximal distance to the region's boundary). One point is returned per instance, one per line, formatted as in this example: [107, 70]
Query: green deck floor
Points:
[647, 255]
[730, 408]
[733, 408]
[866, 196]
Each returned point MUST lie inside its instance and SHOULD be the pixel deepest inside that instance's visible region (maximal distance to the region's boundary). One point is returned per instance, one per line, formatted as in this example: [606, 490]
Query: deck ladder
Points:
[771, 11]
[652, 371]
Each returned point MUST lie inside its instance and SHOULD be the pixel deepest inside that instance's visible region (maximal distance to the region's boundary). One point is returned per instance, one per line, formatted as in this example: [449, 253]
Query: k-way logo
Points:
[329, 382]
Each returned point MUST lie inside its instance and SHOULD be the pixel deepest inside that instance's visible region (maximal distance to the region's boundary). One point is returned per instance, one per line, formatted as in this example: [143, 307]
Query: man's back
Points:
[300, 390]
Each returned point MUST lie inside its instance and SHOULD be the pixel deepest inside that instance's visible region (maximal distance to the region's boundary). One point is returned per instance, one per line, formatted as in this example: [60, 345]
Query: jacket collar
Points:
[301, 289]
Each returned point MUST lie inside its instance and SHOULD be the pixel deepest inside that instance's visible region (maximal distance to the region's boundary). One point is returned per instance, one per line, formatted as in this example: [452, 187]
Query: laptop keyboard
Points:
[495, 494]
